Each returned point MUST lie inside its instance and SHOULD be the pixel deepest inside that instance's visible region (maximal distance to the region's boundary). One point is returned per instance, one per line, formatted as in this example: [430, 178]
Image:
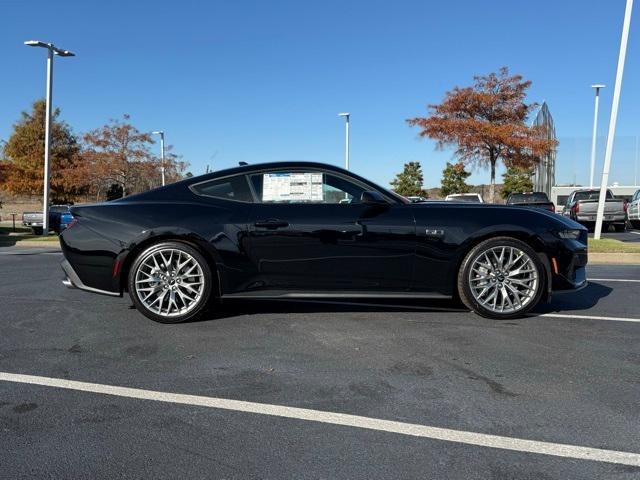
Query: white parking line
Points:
[411, 429]
[587, 317]
[614, 280]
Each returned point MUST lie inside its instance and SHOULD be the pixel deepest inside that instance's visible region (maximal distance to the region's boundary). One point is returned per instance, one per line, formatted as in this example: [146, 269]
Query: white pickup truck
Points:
[33, 220]
[582, 206]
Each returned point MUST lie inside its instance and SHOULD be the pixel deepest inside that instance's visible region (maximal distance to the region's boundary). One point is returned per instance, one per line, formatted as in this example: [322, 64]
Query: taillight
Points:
[576, 208]
[72, 223]
[552, 208]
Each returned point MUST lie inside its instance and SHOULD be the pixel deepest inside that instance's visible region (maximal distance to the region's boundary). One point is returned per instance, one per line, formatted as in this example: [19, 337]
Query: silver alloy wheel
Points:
[503, 279]
[169, 282]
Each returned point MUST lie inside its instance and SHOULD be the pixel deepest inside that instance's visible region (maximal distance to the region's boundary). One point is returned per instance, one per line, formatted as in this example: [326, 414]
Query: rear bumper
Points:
[607, 218]
[72, 280]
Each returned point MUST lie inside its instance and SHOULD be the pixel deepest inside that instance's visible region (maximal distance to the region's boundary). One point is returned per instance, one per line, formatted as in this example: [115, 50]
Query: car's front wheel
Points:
[170, 282]
[501, 278]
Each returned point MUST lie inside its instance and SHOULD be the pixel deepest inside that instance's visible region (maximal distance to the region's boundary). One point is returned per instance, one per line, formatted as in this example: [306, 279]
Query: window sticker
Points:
[292, 187]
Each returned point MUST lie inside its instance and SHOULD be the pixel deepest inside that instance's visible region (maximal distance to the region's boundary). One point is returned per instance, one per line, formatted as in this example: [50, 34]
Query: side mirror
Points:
[371, 197]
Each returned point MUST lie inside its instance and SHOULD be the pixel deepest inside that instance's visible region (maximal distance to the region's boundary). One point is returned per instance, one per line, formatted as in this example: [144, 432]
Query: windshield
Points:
[464, 198]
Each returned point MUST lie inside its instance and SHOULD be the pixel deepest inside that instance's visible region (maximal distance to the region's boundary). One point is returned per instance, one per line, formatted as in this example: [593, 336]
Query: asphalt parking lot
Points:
[501, 395]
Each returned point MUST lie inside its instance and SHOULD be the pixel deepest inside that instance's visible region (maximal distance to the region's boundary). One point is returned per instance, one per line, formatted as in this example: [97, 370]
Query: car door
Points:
[566, 210]
[634, 207]
[309, 231]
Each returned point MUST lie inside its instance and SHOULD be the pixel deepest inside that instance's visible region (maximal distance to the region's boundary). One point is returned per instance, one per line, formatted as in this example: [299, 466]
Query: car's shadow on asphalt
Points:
[235, 308]
[584, 299]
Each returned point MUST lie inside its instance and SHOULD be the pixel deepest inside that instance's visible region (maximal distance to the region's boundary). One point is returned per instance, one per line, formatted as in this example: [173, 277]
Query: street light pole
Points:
[51, 50]
[595, 131]
[614, 117]
[161, 133]
[346, 139]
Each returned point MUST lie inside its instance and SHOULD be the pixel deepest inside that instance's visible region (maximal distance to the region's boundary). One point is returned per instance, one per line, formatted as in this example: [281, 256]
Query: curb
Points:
[614, 258]
[27, 243]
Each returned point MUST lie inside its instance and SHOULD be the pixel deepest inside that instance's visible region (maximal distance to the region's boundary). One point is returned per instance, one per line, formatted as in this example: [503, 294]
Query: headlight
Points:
[569, 234]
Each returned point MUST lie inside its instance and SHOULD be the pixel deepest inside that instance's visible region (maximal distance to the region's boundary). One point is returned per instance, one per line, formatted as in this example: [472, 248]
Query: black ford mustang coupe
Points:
[308, 230]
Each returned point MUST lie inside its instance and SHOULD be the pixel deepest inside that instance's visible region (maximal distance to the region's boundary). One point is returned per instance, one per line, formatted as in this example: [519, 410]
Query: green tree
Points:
[516, 180]
[23, 162]
[454, 178]
[409, 181]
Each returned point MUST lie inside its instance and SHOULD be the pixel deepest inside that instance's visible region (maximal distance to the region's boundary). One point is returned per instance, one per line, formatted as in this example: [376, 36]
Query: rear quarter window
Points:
[230, 188]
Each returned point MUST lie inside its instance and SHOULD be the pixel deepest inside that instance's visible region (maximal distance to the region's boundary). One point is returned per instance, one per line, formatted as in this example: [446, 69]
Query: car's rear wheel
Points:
[620, 227]
[170, 282]
[635, 224]
[501, 278]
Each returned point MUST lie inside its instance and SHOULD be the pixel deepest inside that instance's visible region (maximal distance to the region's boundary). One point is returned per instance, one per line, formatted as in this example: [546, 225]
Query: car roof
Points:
[268, 165]
[245, 169]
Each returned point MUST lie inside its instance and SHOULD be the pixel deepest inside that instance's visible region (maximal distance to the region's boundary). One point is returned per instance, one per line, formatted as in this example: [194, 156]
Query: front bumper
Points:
[72, 280]
[569, 267]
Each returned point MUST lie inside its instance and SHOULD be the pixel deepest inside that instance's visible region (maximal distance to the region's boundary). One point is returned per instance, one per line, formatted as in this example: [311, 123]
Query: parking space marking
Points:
[587, 317]
[614, 280]
[342, 419]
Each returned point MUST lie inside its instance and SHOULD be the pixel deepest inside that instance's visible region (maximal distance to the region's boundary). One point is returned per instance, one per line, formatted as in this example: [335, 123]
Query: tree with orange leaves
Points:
[118, 153]
[487, 124]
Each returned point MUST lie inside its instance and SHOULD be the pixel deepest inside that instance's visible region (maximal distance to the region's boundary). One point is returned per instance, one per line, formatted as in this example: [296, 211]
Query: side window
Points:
[304, 187]
[231, 188]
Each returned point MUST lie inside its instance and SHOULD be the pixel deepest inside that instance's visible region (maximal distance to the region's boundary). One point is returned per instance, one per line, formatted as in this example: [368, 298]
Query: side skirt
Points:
[333, 294]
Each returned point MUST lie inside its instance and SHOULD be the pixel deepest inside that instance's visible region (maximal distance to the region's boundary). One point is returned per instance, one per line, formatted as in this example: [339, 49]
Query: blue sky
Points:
[260, 81]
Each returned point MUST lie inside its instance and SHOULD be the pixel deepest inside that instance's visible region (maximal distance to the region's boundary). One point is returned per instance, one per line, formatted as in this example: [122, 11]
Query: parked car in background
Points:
[582, 206]
[531, 199]
[464, 197]
[633, 210]
[59, 218]
[281, 230]
[416, 199]
[33, 220]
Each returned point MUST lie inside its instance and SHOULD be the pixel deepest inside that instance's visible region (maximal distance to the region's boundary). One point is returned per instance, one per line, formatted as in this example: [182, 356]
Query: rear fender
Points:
[126, 258]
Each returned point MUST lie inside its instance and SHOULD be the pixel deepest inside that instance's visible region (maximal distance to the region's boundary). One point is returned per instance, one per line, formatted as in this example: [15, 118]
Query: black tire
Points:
[635, 224]
[193, 311]
[37, 230]
[464, 278]
[620, 227]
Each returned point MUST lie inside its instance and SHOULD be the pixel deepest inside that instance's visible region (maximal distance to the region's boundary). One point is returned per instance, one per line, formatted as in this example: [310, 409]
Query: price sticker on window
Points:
[292, 187]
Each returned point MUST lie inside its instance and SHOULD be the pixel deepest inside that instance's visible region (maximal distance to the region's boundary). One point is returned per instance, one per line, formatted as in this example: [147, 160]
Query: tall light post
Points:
[595, 132]
[161, 133]
[346, 139]
[51, 51]
[626, 24]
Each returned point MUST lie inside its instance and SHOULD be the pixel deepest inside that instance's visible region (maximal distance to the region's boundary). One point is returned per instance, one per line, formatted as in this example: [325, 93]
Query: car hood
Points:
[555, 220]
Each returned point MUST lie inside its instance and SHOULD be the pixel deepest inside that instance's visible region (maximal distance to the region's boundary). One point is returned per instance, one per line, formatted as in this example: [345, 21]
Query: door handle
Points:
[271, 224]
